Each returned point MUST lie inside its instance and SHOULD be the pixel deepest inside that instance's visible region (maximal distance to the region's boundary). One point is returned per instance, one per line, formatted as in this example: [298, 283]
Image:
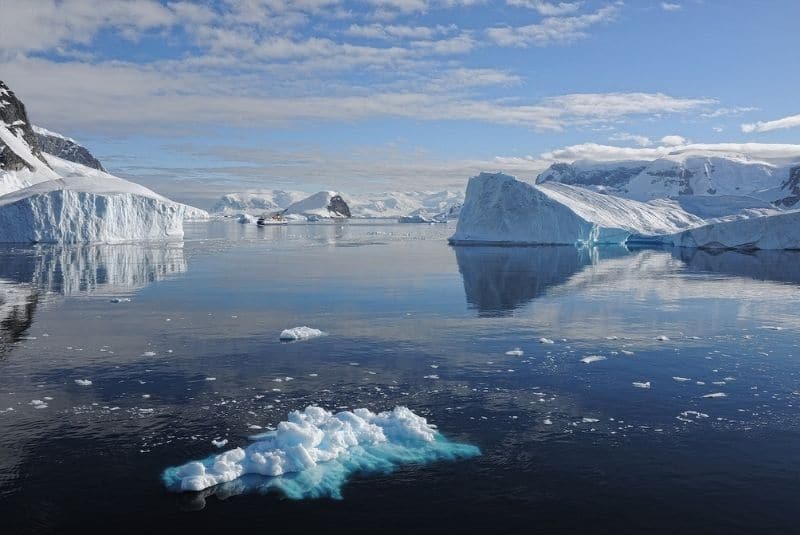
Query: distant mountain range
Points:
[687, 172]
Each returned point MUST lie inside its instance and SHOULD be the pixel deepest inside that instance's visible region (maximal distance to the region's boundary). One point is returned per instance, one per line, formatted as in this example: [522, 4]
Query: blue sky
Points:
[199, 98]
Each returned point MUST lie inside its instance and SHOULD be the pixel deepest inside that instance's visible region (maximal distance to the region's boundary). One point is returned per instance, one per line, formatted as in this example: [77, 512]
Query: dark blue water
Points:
[566, 446]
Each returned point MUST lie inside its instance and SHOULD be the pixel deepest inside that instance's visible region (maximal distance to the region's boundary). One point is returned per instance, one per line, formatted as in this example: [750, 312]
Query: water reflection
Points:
[94, 269]
[779, 266]
[498, 280]
[17, 306]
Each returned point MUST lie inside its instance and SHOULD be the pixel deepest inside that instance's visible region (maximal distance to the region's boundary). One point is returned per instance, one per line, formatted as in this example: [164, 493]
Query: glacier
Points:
[314, 452]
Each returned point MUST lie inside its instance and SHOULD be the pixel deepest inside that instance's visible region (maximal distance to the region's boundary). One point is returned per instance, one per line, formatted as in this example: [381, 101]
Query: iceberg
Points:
[82, 209]
[300, 333]
[773, 231]
[499, 209]
[315, 452]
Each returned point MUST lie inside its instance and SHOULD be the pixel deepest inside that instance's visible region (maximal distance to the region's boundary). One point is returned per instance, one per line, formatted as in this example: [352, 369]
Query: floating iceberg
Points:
[300, 333]
[501, 209]
[315, 451]
[774, 231]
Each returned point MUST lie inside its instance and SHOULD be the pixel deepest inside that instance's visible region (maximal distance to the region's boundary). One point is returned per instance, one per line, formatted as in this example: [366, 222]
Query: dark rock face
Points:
[612, 177]
[792, 186]
[67, 149]
[13, 114]
[338, 206]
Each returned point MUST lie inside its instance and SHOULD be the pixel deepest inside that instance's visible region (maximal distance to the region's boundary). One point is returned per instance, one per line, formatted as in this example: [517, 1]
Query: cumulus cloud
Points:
[608, 153]
[791, 121]
[642, 141]
[674, 140]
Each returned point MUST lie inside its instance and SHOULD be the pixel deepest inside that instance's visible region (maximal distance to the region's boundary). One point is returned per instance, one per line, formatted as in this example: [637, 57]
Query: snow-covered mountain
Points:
[44, 198]
[501, 209]
[390, 205]
[324, 204]
[65, 148]
[257, 202]
[687, 171]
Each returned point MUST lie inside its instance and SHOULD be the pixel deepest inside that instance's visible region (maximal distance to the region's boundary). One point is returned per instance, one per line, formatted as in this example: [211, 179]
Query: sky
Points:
[200, 98]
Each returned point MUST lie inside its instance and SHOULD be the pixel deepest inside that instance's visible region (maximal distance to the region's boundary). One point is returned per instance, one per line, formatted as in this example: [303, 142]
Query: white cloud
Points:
[642, 141]
[392, 32]
[552, 30]
[670, 6]
[608, 153]
[547, 9]
[791, 121]
[674, 140]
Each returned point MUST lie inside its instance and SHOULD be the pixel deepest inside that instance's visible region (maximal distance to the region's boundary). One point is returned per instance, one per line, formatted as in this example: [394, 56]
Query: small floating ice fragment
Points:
[516, 352]
[716, 395]
[121, 300]
[592, 358]
[681, 379]
[662, 338]
[546, 341]
[149, 354]
[38, 404]
[83, 382]
[219, 443]
[432, 376]
[300, 333]
[315, 452]
[645, 384]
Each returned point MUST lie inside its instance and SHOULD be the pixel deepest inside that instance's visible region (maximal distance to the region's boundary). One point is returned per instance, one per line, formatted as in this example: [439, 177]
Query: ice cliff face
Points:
[79, 210]
[65, 148]
[501, 209]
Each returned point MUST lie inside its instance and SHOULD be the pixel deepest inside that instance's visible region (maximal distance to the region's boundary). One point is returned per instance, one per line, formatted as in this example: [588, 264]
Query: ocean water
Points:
[688, 423]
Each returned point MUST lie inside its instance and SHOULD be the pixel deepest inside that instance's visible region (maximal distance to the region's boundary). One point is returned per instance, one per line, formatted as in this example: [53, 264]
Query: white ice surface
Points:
[300, 333]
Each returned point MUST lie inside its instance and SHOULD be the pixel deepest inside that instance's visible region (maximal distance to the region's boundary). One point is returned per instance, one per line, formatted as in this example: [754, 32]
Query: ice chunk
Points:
[516, 352]
[716, 395]
[300, 333]
[592, 358]
[83, 382]
[638, 384]
[681, 379]
[315, 452]
[545, 341]
[662, 338]
[219, 443]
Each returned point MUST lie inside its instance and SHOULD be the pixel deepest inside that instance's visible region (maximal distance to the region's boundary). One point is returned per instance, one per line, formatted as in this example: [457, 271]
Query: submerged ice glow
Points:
[315, 451]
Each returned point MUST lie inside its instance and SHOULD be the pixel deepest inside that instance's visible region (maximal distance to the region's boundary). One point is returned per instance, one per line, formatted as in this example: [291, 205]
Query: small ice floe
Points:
[716, 395]
[219, 443]
[612, 337]
[38, 404]
[300, 333]
[691, 416]
[145, 396]
[592, 358]
[662, 338]
[589, 420]
[211, 378]
[546, 341]
[83, 382]
[547, 421]
[315, 452]
[121, 300]
[432, 376]
[627, 353]
[516, 352]
[638, 384]
[681, 379]
[149, 354]
[772, 327]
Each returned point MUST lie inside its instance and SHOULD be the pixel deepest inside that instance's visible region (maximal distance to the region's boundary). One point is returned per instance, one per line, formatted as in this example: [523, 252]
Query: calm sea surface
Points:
[688, 423]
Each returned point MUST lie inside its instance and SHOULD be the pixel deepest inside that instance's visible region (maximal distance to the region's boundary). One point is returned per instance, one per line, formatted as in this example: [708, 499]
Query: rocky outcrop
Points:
[792, 187]
[338, 207]
[65, 148]
[15, 119]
